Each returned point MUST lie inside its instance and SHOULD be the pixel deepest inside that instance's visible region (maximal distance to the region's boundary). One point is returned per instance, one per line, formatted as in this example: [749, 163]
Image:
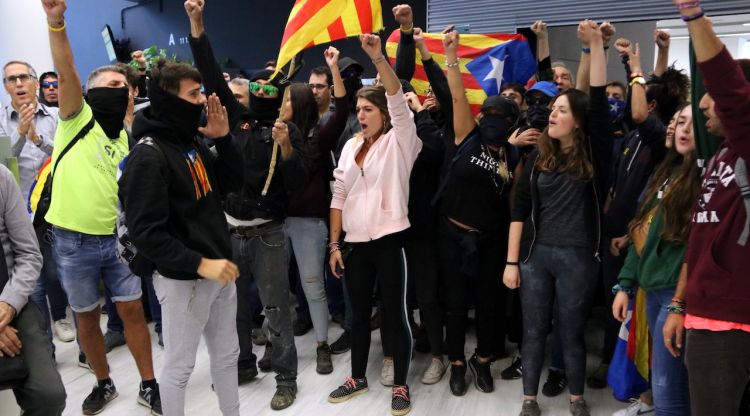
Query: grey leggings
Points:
[568, 275]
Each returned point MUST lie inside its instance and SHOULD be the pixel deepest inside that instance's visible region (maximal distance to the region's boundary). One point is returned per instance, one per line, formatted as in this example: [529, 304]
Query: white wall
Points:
[679, 52]
[23, 30]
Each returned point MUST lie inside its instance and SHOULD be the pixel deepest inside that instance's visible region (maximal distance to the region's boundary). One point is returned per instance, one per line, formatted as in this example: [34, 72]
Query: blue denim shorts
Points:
[83, 259]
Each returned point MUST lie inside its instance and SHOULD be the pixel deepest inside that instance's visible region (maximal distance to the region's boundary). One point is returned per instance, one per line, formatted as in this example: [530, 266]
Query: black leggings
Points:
[472, 268]
[382, 261]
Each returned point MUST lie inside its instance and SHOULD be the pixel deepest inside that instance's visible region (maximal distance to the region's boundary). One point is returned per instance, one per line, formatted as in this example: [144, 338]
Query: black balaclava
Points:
[495, 128]
[183, 117]
[266, 108]
[109, 106]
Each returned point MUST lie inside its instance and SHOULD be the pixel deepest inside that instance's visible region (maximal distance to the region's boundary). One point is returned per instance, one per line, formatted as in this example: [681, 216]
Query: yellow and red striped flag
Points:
[314, 22]
[481, 57]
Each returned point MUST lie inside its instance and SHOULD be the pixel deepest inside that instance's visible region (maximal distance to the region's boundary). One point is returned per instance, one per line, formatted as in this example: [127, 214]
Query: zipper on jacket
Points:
[533, 223]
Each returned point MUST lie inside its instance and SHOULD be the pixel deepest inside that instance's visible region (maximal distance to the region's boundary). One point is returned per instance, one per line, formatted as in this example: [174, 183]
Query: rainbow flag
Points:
[314, 22]
[630, 367]
[486, 62]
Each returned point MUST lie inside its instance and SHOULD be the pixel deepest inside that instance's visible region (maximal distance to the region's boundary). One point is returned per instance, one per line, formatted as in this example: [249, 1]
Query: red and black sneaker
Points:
[400, 401]
[352, 387]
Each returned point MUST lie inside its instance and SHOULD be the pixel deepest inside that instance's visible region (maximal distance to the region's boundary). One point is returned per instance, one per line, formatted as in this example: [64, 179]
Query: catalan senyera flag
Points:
[315, 22]
[630, 368]
[486, 62]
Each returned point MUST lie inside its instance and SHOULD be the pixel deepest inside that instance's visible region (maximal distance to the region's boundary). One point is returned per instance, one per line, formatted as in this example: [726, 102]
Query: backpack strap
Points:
[740, 177]
[84, 131]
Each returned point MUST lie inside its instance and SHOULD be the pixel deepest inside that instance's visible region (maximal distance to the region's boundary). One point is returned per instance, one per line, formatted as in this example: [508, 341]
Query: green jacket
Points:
[659, 265]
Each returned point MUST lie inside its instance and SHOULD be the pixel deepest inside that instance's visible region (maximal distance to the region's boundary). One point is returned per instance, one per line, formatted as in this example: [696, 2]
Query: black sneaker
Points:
[284, 397]
[264, 364]
[555, 384]
[514, 371]
[150, 398]
[400, 401]
[246, 374]
[482, 375]
[99, 397]
[530, 408]
[323, 363]
[457, 381]
[352, 387]
[301, 327]
[342, 345]
[112, 340]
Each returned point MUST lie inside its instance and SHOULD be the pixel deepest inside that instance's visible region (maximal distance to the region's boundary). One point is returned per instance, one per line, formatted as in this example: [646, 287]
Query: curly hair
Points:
[668, 90]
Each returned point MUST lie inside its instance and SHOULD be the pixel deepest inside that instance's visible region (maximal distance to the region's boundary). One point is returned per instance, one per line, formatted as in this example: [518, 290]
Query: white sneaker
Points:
[434, 372]
[636, 408]
[64, 330]
[387, 373]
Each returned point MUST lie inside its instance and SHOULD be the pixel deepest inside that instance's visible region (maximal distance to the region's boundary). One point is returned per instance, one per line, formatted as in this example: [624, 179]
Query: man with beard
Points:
[83, 212]
[256, 212]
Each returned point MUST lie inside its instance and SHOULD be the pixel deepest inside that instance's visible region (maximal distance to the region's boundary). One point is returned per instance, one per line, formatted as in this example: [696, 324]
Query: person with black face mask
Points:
[83, 211]
[171, 189]
[256, 212]
[475, 215]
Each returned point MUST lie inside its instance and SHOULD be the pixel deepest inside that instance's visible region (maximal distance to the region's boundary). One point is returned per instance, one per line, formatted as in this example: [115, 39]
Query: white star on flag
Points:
[496, 73]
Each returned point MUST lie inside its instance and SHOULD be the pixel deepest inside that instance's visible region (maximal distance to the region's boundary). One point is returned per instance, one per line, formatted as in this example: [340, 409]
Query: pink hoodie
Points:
[374, 200]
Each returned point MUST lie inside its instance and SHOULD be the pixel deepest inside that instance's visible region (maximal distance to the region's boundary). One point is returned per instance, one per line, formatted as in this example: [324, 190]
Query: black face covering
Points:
[109, 106]
[493, 130]
[538, 116]
[182, 116]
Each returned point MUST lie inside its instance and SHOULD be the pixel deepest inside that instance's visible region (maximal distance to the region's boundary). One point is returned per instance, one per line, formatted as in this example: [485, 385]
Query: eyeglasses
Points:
[318, 86]
[268, 89]
[47, 84]
[14, 78]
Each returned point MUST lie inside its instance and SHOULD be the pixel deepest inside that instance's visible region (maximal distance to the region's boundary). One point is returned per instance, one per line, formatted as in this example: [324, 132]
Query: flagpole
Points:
[275, 154]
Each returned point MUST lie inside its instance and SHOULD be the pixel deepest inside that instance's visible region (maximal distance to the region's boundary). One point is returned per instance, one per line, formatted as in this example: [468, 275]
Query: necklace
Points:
[501, 167]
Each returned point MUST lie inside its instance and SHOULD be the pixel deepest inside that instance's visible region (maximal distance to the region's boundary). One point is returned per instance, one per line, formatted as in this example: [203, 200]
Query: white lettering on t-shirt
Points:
[723, 174]
[484, 161]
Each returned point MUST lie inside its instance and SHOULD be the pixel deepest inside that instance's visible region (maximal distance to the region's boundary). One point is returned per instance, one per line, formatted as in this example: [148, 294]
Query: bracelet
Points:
[630, 291]
[378, 60]
[688, 5]
[332, 244]
[57, 28]
[693, 17]
[676, 309]
[333, 250]
[409, 29]
[453, 65]
[638, 80]
[511, 263]
[586, 50]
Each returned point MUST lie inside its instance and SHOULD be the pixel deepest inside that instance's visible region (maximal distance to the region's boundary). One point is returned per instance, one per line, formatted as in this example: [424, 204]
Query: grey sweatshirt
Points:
[19, 243]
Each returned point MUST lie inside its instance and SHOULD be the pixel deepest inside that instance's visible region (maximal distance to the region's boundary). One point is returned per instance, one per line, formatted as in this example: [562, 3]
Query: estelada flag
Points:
[486, 61]
[630, 368]
[314, 22]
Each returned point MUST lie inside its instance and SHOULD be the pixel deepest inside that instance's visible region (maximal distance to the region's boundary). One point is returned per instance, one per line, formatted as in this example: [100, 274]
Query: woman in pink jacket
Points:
[370, 199]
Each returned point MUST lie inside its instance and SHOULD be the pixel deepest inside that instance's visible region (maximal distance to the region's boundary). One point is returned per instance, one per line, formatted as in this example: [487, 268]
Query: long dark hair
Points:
[304, 109]
[683, 175]
[577, 163]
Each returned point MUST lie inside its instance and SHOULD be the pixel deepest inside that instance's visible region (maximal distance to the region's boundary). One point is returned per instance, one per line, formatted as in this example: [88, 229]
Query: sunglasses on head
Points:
[268, 89]
[47, 84]
[318, 86]
[12, 79]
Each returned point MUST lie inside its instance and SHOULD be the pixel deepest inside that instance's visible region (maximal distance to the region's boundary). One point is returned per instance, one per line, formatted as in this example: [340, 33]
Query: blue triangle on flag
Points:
[511, 61]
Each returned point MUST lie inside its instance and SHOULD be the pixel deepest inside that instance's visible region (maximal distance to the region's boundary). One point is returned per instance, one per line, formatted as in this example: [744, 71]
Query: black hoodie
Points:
[252, 136]
[173, 195]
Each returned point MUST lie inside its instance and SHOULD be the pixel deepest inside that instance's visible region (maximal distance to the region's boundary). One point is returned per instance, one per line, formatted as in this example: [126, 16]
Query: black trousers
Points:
[472, 266]
[718, 363]
[422, 256]
[43, 393]
[381, 261]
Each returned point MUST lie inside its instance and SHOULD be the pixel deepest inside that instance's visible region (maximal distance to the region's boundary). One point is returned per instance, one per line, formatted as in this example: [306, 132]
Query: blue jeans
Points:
[308, 240]
[48, 286]
[669, 378]
[114, 323]
[84, 259]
